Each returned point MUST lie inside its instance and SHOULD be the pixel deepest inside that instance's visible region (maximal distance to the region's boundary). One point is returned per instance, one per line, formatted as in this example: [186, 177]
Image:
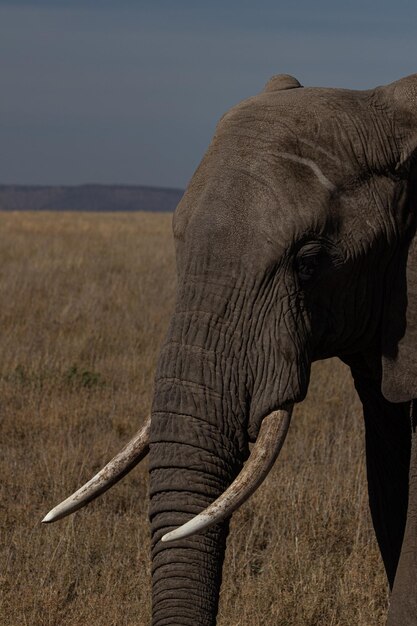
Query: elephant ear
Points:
[399, 323]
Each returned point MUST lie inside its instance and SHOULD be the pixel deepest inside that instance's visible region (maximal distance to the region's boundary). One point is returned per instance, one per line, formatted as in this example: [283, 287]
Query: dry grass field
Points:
[85, 301]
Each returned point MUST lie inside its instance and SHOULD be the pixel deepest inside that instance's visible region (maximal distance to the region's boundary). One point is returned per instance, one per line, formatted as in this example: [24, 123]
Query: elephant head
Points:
[294, 242]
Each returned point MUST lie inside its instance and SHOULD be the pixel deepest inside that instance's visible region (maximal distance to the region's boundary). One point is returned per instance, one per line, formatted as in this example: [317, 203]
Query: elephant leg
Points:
[388, 442]
[403, 605]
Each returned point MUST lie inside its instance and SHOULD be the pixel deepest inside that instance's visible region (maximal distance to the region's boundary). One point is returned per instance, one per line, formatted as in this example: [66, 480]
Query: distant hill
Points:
[88, 198]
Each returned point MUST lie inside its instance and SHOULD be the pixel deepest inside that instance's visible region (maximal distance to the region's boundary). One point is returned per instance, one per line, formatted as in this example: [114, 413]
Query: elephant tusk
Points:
[119, 466]
[270, 440]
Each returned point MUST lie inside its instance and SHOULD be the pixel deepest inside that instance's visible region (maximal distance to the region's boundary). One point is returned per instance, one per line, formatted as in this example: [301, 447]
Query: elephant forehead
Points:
[277, 168]
[245, 196]
[339, 128]
[271, 139]
[240, 217]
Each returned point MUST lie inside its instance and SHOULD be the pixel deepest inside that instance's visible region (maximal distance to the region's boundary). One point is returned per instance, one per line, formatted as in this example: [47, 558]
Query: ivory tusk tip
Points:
[201, 522]
[60, 511]
[50, 517]
[171, 536]
[57, 513]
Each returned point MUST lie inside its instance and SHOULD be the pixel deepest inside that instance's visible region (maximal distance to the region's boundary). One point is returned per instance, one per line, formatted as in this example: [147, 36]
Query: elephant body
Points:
[294, 242]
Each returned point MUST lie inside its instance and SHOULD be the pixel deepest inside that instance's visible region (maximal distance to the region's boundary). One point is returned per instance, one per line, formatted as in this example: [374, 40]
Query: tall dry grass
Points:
[85, 301]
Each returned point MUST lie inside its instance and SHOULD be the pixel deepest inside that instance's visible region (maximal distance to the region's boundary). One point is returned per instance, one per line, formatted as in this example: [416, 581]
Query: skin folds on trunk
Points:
[185, 477]
[218, 375]
[197, 447]
[186, 574]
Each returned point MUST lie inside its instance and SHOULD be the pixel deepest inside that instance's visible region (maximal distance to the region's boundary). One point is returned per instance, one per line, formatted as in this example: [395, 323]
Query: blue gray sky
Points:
[129, 91]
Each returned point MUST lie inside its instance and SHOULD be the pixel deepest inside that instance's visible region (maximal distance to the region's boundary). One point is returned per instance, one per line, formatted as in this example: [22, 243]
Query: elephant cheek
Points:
[281, 381]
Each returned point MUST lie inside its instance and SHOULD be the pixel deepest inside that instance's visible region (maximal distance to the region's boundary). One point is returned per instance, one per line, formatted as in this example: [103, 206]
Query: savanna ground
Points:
[85, 302]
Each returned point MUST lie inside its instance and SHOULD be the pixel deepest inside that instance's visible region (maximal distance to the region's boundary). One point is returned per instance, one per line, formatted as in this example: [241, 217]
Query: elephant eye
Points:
[307, 262]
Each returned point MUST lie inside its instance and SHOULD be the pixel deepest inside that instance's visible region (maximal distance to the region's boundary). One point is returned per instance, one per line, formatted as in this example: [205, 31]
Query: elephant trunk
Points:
[185, 477]
[198, 444]
[186, 574]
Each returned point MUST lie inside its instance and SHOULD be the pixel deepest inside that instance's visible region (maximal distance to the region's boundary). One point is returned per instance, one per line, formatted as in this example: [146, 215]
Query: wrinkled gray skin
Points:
[294, 242]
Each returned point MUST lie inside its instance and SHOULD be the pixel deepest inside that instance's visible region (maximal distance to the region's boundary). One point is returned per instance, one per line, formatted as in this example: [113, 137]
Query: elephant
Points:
[294, 242]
